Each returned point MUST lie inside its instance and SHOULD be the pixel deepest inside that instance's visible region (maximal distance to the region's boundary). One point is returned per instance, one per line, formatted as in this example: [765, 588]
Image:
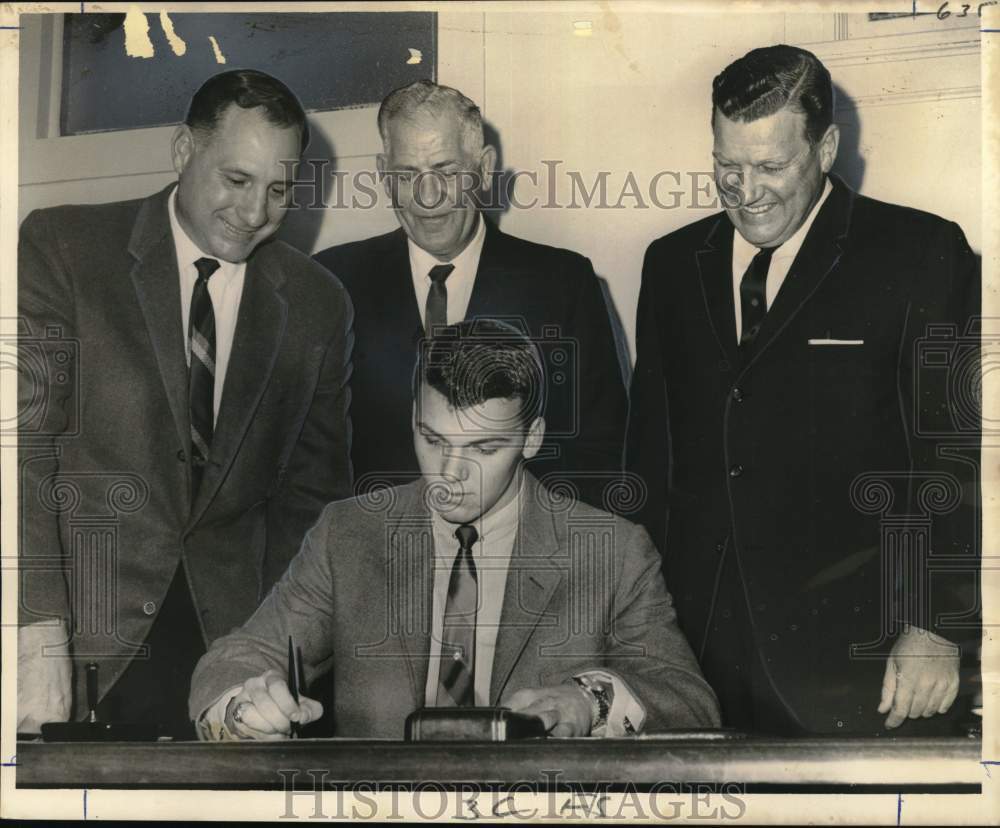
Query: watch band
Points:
[601, 700]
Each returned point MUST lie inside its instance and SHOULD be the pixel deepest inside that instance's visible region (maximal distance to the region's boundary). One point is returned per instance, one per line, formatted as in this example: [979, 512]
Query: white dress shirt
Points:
[459, 282]
[781, 261]
[226, 289]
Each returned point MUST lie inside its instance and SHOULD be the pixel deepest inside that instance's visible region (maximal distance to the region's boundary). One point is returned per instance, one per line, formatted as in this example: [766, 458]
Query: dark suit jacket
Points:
[763, 455]
[550, 293]
[106, 511]
[357, 600]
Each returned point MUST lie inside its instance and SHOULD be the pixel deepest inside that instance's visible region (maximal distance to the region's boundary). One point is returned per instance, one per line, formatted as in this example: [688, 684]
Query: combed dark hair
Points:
[427, 96]
[479, 360]
[248, 89]
[767, 80]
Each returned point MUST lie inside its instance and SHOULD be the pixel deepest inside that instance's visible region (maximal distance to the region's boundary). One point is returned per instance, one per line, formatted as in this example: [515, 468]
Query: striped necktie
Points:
[457, 678]
[201, 346]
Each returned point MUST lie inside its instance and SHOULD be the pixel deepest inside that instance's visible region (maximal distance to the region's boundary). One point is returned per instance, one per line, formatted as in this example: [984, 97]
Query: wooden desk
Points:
[760, 764]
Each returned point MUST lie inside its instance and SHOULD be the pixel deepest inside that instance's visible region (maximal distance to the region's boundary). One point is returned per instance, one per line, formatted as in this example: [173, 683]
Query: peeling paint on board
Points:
[176, 42]
[137, 42]
[219, 57]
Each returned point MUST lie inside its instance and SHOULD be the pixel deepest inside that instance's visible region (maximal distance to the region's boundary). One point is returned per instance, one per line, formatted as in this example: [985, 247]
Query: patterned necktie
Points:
[753, 295]
[457, 678]
[201, 377]
[436, 310]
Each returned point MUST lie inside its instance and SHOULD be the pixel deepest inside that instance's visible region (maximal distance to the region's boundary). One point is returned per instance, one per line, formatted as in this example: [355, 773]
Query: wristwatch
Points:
[600, 700]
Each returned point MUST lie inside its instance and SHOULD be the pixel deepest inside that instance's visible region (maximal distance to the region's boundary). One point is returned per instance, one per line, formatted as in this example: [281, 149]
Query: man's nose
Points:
[252, 208]
[749, 186]
[455, 464]
[430, 192]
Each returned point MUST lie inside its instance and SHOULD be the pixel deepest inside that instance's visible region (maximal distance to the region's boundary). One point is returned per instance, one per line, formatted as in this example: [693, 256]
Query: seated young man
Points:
[474, 585]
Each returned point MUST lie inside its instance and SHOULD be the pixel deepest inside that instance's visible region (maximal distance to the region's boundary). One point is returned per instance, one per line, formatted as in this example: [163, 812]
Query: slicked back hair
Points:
[424, 97]
[767, 80]
[479, 360]
[248, 89]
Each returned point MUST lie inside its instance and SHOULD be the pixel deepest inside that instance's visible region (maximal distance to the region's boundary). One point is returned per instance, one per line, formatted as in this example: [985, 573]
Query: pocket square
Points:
[836, 342]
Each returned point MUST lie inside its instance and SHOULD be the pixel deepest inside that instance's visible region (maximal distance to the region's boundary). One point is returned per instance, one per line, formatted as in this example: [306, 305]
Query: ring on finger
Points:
[238, 712]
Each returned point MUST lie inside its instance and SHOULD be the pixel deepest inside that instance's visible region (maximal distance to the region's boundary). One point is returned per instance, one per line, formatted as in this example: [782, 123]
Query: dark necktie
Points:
[201, 377]
[436, 311]
[753, 295]
[457, 677]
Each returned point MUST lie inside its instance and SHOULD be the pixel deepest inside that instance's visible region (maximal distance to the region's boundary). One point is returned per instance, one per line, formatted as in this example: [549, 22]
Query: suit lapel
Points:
[500, 284]
[411, 583]
[531, 581]
[260, 328]
[157, 287]
[823, 246]
[715, 267]
[397, 301]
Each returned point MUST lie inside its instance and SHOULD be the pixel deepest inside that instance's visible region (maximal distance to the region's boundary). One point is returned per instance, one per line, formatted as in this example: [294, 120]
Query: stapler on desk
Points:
[93, 730]
[471, 724]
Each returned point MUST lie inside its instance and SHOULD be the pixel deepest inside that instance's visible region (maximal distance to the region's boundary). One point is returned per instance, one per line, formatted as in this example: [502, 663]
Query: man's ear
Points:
[182, 147]
[828, 146]
[382, 165]
[487, 166]
[533, 440]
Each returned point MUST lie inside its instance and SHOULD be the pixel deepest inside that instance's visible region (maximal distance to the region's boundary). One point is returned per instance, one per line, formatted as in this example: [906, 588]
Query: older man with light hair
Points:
[447, 263]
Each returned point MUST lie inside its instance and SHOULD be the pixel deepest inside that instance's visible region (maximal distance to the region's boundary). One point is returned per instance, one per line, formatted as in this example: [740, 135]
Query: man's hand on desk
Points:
[264, 709]
[564, 708]
[921, 677]
[44, 676]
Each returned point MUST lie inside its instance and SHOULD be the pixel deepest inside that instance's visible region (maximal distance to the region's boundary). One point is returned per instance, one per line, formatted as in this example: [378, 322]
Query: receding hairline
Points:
[426, 100]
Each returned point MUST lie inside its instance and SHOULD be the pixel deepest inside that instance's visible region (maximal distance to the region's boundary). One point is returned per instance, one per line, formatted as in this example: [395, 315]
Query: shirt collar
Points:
[468, 259]
[790, 248]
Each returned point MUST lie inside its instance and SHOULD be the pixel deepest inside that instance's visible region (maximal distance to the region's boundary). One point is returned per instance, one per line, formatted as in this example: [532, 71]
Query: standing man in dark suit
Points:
[779, 396]
[447, 263]
[173, 465]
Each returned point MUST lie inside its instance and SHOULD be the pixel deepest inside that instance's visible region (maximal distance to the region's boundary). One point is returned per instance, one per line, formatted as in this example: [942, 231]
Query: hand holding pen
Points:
[269, 707]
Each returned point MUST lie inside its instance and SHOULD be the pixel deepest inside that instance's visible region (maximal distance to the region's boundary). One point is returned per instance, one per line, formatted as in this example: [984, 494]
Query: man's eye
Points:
[236, 182]
[431, 441]
[771, 168]
[279, 192]
[486, 450]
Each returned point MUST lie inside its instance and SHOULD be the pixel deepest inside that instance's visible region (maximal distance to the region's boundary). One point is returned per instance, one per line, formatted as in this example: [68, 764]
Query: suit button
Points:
[736, 470]
[181, 455]
[738, 395]
[149, 608]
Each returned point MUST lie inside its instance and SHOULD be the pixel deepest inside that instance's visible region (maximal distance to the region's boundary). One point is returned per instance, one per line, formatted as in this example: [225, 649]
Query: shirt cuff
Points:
[211, 724]
[627, 714]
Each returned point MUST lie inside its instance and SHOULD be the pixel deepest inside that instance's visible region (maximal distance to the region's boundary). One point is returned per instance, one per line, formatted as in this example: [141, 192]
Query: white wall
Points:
[630, 97]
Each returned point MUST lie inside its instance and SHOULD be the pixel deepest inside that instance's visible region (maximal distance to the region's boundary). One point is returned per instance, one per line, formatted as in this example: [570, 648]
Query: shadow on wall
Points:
[301, 227]
[499, 203]
[850, 163]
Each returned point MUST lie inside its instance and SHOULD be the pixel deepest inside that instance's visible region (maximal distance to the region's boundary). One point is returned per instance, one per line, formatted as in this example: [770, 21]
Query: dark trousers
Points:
[732, 664]
[155, 688]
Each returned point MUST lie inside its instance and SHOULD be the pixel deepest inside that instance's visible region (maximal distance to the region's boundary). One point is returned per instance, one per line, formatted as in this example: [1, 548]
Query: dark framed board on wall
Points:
[333, 60]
